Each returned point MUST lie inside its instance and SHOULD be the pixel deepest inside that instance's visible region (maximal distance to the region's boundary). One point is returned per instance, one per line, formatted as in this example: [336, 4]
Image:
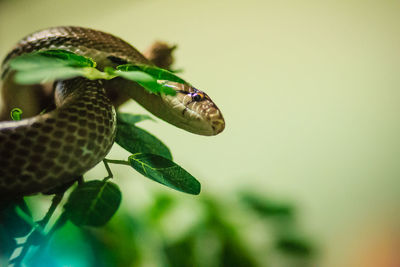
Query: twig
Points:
[110, 174]
[54, 204]
[38, 230]
[57, 225]
[113, 161]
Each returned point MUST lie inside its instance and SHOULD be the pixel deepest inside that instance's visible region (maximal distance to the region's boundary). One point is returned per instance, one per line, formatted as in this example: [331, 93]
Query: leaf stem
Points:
[57, 225]
[54, 204]
[38, 228]
[110, 174]
[115, 161]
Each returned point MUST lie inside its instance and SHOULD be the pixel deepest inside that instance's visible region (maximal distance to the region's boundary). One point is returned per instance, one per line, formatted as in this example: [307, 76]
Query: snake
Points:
[48, 150]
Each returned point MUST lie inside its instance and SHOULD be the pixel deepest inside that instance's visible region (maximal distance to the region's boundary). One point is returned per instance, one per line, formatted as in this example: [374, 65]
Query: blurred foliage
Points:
[156, 236]
[12, 226]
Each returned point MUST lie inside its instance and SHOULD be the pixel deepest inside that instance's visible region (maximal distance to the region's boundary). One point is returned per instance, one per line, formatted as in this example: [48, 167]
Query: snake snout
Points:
[218, 126]
[193, 110]
[213, 118]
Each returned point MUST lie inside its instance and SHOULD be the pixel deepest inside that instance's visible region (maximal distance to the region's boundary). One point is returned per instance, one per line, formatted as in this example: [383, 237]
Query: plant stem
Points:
[115, 161]
[110, 174]
[57, 225]
[38, 231]
[54, 204]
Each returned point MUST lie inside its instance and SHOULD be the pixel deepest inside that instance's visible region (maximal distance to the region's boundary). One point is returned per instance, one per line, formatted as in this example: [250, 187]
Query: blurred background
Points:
[310, 94]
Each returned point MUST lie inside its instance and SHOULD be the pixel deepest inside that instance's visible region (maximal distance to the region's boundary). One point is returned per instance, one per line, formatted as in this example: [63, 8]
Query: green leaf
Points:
[142, 78]
[93, 203]
[50, 65]
[49, 59]
[136, 140]
[165, 89]
[69, 58]
[157, 73]
[165, 171]
[34, 61]
[132, 118]
[41, 75]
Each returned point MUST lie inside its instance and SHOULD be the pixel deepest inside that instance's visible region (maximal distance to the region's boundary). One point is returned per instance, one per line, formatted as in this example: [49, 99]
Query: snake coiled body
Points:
[52, 149]
[49, 150]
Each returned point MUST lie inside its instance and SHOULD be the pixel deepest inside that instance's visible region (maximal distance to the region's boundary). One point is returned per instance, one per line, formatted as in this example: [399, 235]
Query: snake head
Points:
[193, 110]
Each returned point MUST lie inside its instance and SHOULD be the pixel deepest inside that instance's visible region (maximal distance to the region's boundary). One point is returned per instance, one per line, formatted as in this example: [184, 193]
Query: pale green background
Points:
[310, 94]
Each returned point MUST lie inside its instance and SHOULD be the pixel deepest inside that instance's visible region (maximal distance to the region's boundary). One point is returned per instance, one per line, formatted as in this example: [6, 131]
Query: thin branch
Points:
[37, 232]
[110, 174]
[115, 161]
[54, 204]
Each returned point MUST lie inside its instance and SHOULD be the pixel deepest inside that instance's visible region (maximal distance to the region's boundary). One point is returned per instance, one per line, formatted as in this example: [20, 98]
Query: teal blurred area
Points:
[258, 231]
[309, 91]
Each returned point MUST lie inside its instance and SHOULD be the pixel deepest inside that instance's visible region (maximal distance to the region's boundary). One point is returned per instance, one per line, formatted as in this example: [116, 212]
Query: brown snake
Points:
[49, 150]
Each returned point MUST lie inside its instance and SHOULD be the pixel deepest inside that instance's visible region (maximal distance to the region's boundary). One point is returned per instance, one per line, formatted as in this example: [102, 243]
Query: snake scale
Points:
[45, 151]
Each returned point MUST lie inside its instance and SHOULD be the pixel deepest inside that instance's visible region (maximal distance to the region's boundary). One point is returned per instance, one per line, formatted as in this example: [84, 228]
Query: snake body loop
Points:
[49, 150]
[52, 149]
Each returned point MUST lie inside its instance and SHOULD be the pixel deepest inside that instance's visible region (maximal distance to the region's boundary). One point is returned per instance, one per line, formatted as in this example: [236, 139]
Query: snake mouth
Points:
[218, 126]
[193, 110]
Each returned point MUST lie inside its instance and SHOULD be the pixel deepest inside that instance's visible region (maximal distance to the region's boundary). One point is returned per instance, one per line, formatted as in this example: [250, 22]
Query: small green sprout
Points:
[16, 114]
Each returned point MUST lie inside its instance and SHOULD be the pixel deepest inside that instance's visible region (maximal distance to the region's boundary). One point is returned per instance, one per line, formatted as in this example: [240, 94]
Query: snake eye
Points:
[197, 97]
